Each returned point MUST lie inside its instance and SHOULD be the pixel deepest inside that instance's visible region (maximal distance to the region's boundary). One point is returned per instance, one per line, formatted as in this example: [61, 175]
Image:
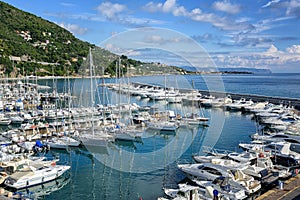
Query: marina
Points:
[167, 134]
[149, 100]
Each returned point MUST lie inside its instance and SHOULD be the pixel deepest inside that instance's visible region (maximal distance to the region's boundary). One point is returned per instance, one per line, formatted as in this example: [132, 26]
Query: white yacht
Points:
[35, 174]
[221, 185]
[62, 142]
[209, 171]
[239, 104]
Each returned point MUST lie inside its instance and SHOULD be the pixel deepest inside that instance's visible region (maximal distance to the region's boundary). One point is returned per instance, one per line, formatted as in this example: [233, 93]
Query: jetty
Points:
[290, 190]
[256, 98]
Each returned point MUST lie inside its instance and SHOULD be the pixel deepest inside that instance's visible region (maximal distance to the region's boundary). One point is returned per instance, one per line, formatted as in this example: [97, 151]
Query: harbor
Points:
[149, 100]
[153, 121]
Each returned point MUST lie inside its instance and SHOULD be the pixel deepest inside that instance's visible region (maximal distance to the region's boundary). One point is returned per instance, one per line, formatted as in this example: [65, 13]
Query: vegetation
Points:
[30, 45]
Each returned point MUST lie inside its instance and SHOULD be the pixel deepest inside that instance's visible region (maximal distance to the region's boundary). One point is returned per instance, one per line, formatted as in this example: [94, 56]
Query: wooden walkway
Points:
[291, 189]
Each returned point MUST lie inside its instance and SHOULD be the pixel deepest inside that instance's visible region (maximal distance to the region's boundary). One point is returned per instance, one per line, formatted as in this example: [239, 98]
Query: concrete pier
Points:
[290, 190]
[256, 98]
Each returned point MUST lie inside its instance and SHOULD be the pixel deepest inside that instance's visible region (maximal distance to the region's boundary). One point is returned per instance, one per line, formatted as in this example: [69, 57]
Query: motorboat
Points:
[209, 171]
[258, 170]
[4, 121]
[276, 137]
[222, 185]
[194, 119]
[163, 126]
[63, 142]
[239, 104]
[189, 192]
[283, 153]
[35, 174]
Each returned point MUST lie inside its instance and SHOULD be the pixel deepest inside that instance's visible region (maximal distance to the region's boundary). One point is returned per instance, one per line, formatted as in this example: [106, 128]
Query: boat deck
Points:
[291, 189]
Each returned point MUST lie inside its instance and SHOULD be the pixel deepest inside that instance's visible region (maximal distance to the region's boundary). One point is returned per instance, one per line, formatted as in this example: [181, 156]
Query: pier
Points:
[256, 98]
[290, 190]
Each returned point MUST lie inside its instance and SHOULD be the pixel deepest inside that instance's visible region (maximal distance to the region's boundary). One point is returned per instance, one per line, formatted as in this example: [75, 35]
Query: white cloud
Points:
[159, 40]
[110, 10]
[272, 58]
[73, 28]
[169, 5]
[227, 7]
[196, 14]
[67, 4]
[116, 13]
[295, 49]
[293, 8]
[270, 3]
[272, 49]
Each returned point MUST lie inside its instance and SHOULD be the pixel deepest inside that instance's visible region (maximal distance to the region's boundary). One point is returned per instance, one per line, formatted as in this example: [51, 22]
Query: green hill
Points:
[30, 45]
[40, 44]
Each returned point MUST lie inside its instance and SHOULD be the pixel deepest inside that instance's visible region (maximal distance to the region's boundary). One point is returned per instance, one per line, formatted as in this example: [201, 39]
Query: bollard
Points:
[280, 185]
[9, 195]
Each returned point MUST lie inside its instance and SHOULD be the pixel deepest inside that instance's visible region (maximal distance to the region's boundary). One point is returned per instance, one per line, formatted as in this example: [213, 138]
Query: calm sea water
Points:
[91, 179]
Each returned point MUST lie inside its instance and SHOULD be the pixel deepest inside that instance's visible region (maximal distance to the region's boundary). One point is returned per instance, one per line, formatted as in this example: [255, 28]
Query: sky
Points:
[206, 33]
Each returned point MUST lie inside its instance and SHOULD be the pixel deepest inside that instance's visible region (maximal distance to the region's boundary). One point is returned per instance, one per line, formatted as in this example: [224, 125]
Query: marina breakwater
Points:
[257, 98]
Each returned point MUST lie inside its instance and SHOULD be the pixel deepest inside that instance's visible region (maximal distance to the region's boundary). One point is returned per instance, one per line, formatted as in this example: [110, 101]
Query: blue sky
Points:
[248, 33]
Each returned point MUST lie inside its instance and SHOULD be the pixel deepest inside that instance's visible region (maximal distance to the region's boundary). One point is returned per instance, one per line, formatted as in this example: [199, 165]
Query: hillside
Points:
[34, 42]
[30, 45]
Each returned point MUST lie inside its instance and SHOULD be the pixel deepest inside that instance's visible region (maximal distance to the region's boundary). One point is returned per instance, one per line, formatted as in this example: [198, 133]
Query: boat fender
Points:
[9, 195]
[215, 193]
[261, 155]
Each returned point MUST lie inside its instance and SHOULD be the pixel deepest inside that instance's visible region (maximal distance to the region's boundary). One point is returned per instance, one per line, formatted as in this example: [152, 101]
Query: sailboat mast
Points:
[91, 85]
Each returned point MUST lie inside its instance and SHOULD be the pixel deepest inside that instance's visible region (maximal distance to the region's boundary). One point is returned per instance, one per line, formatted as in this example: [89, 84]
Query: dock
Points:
[6, 195]
[256, 98]
[290, 190]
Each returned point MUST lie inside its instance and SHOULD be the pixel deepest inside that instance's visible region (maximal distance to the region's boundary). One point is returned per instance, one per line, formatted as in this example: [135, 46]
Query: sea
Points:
[141, 169]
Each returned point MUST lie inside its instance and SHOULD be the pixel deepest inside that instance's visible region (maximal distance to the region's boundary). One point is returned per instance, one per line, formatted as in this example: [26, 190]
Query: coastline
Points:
[137, 75]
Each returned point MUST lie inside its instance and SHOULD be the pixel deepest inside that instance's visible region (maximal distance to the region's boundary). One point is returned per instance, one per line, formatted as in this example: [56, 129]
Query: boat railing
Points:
[215, 151]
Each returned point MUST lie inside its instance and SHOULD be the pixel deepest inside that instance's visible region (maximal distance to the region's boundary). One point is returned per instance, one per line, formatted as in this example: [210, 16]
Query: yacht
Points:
[209, 171]
[163, 126]
[284, 153]
[4, 121]
[35, 174]
[259, 168]
[239, 104]
[62, 142]
[189, 192]
[221, 184]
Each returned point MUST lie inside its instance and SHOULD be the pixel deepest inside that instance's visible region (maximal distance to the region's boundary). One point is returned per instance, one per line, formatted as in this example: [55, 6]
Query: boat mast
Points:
[91, 85]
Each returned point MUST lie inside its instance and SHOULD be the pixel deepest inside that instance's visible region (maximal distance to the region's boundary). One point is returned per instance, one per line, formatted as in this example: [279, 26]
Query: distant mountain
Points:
[227, 70]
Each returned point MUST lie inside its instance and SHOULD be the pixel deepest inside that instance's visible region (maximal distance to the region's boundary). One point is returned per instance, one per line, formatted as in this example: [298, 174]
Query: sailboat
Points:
[194, 118]
[94, 138]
